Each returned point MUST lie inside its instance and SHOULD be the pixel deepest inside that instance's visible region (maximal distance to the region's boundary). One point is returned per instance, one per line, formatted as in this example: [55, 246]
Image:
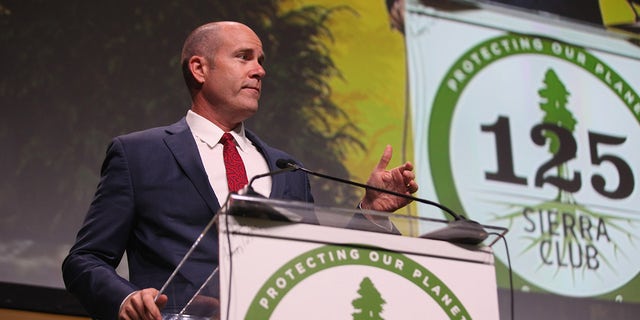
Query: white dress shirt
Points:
[207, 136]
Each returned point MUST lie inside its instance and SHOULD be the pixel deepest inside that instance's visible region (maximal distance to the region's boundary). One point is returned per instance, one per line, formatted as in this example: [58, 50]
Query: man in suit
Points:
[160, 187]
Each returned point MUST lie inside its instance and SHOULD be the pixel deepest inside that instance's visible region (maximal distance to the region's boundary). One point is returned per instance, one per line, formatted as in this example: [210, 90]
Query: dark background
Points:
[76, 73]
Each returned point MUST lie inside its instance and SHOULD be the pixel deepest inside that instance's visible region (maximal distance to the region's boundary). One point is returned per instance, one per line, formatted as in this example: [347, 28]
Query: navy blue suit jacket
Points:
[152, 201]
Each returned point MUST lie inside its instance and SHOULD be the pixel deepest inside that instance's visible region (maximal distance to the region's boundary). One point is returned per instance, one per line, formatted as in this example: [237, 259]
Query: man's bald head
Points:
[204, 41]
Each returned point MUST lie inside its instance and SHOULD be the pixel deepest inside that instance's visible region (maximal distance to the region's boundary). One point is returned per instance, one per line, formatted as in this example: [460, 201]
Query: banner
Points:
[535, 127]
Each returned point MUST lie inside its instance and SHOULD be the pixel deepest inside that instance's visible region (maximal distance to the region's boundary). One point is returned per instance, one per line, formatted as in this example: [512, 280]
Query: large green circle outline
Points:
[256, 311]
[446, 100]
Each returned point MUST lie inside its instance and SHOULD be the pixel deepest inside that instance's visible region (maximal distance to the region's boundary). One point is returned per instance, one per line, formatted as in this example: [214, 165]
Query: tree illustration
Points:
[369, 304]
[554, 99]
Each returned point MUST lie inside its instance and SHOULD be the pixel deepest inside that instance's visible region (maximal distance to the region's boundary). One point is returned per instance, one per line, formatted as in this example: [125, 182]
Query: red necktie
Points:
[236, 174]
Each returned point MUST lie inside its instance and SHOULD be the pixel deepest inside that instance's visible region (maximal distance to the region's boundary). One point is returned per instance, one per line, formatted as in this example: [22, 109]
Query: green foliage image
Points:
[369, 304]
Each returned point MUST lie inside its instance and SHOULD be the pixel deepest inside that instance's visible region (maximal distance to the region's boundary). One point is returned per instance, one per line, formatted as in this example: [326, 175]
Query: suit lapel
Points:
[183, 146]
[278, 181]
[184, 149]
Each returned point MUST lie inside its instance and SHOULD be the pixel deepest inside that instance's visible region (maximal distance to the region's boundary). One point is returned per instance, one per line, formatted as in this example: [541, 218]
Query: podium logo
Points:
[364, 300]
[369, 303]
[542, 137]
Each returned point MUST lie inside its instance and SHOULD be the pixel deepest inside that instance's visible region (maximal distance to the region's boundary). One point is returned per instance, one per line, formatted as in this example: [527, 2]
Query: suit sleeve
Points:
[89, 269]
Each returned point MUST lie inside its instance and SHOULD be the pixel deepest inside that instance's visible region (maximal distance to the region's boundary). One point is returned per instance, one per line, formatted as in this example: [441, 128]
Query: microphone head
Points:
[459, 231]
[285, 163]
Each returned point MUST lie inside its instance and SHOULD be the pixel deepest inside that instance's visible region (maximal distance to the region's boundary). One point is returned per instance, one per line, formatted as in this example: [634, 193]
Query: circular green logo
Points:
[310, 263]
[556, 167]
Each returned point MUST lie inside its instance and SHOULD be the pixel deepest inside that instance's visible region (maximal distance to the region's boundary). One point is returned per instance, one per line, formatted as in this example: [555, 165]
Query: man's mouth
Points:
[257, 89]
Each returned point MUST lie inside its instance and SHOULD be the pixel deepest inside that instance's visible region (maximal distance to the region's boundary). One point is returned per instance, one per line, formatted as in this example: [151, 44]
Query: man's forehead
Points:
[244, 45]
[242, 38]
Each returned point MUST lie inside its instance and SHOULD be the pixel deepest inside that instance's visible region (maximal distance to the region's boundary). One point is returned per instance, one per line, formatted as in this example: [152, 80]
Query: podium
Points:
[292, 260]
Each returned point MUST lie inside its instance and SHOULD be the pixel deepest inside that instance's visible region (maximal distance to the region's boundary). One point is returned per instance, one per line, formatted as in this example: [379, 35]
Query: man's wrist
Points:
[379, 221]
[363, 205]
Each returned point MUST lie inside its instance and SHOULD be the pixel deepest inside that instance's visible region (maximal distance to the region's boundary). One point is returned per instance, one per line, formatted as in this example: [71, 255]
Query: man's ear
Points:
[198, 68]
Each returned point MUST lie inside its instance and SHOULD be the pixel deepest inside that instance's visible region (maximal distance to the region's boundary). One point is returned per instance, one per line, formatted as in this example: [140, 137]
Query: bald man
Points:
[160, 187]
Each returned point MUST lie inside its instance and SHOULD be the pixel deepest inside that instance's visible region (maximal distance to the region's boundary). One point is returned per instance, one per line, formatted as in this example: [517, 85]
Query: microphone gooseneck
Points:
[461, 230]
[282, 164]
[249, 189]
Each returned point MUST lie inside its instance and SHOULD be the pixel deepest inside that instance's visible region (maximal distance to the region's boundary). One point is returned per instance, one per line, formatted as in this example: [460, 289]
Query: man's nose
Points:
[258, 71]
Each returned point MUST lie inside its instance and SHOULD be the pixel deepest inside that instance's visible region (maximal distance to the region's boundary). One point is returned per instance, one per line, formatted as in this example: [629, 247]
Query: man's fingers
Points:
[412, 187]
[409, 178]
[385, 159]
[408, 174]
[134, 307]
[162, 300]
[142, 305]
[151, 309]
[408, 166]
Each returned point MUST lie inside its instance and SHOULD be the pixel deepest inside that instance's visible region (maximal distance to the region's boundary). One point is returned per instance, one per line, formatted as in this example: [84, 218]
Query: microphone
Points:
[259, 209]
[460, 230]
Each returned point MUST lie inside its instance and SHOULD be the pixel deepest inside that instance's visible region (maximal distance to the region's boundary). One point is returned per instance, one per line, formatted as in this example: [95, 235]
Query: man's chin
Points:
[249, 111]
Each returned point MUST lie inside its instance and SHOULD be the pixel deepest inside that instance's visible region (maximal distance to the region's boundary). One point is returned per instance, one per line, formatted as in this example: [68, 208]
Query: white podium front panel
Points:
[284, 270]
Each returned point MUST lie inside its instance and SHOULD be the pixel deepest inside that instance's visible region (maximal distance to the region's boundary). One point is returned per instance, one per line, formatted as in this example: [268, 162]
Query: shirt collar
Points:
[209, 133]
